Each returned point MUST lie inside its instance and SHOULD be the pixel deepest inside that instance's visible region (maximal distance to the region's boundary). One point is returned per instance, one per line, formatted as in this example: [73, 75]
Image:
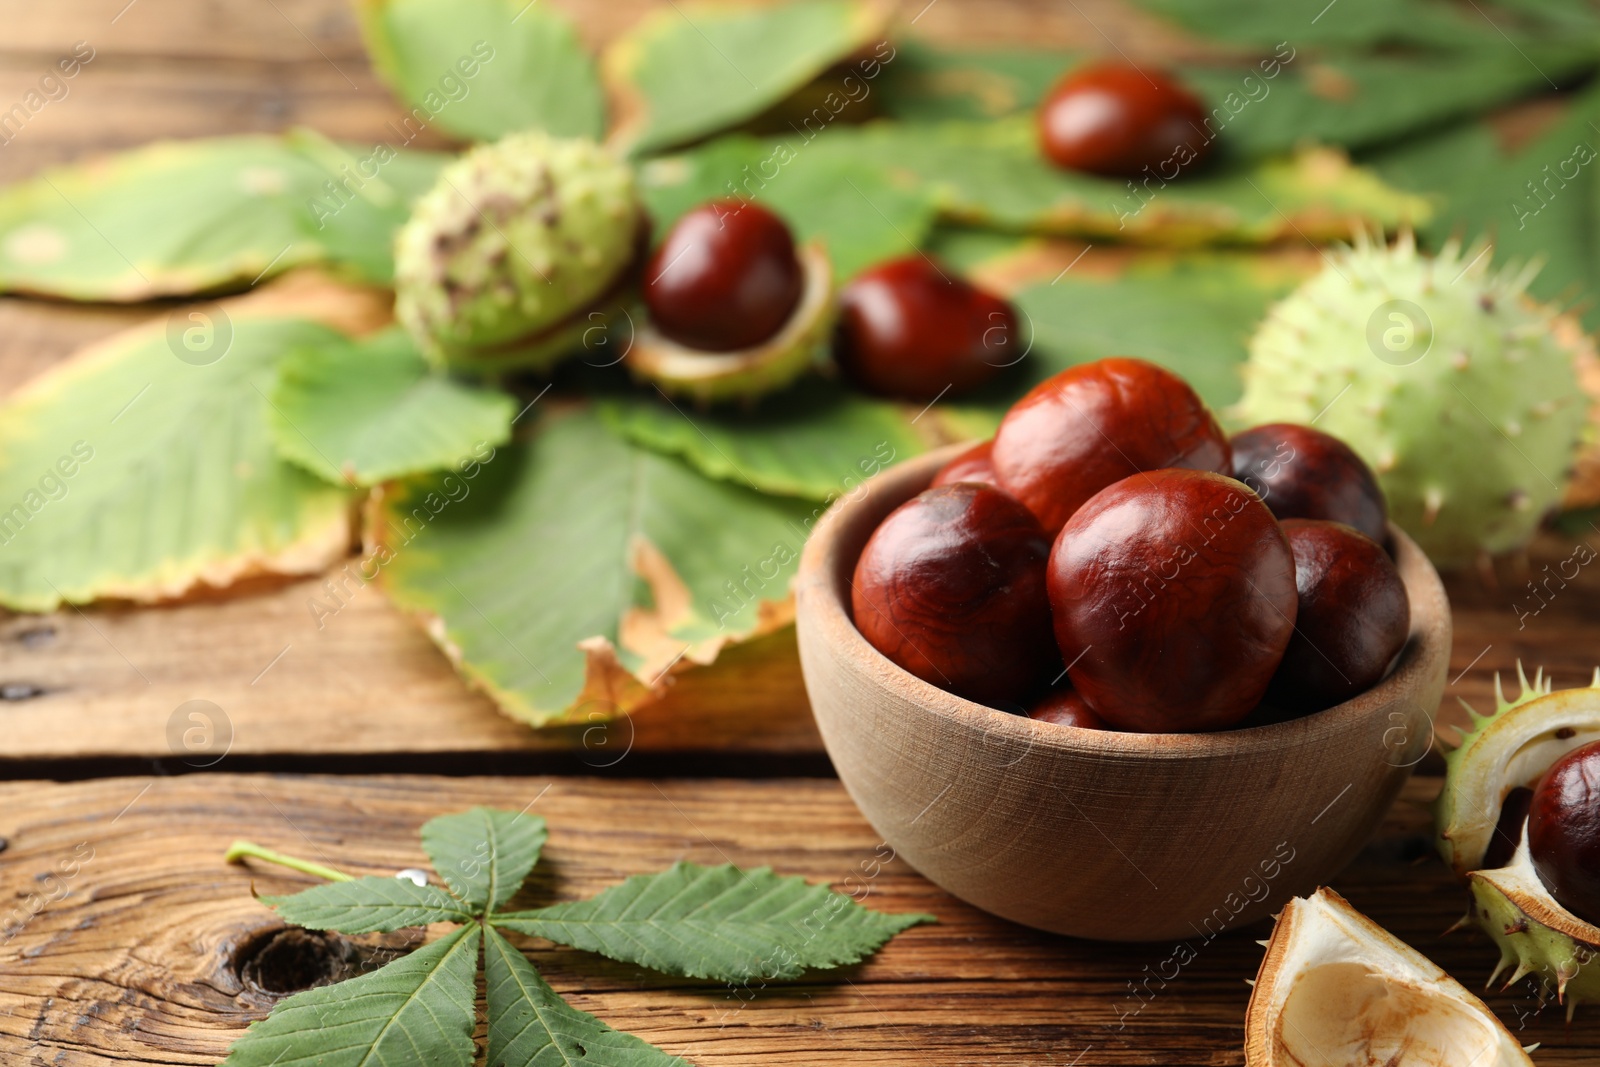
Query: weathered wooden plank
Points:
[137, 959]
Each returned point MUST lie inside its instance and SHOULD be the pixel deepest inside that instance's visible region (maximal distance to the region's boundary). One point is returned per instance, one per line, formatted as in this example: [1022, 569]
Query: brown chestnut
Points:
[726, 277]
[1354, 616]
[1303, 473]
[1119, 120]
[951, 587]
[973, 465]
[1066, 707]
[1564, 831]
[910, 328]
[1173, 598]
[1077, 432]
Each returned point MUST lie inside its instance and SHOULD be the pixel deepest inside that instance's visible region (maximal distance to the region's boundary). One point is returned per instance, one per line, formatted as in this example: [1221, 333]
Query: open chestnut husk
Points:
[735, 309]
[1354, 617]
[1091, 425]
[1173, 597]
[1303, 473]
[951, 587]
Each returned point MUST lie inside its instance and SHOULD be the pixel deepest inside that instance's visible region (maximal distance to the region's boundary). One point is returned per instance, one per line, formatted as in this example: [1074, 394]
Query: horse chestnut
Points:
[1354, 616]
[1303, 473]
[1118, 120]
[951, 588]
[726, 277]
[973, 465]
[907, 328]
[1096, 423]
[1173, 597]
[1564, 831]
[1066, 707]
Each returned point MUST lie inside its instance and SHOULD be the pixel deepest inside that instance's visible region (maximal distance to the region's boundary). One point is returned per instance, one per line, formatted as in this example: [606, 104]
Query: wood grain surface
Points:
[94, 691]
[138, 960]
[136, 957]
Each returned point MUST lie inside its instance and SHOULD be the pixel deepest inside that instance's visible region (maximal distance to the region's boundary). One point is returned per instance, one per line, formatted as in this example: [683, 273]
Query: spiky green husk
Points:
[1562, 963]
[515, 239]
[1473, 441]
[1451, 800]
[1512, 747]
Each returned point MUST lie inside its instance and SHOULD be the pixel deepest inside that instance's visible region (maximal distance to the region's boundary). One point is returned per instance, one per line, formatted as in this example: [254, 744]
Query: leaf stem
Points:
[242, 850]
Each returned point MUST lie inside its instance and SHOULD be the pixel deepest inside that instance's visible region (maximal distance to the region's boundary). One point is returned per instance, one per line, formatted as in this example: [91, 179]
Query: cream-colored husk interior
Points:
[1337, 990]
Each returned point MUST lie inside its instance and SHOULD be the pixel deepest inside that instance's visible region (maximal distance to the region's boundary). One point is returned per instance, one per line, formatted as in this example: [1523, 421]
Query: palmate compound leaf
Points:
[419, 1009]
[718, 922]
[531, 1026]
[143, 467]
[695, 68]
[569, 574]
[365, 411]
[369, 905]
[818, 440]
[182, 217]
[484, 68]
[484, 853]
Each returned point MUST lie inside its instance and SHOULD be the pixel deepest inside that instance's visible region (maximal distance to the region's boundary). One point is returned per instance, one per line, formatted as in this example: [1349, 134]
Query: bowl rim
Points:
[820, 603]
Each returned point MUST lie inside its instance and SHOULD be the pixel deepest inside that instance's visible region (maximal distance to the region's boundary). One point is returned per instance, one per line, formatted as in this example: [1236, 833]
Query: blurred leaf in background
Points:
[480, 69]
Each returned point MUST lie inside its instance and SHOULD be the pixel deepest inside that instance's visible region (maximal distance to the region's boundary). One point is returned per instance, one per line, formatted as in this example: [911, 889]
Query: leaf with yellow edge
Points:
[143, 466]
[569, 575]
[180, 217]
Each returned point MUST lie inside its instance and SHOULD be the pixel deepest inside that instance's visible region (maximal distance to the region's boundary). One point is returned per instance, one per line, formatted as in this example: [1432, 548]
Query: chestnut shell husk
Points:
[1508, 749]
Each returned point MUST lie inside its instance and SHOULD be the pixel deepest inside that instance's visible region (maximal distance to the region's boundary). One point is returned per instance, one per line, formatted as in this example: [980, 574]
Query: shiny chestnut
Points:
[726, 277]
[951, 588]
[973, 465]
[1091, 425]
[1354, 616]
[1173, 595]
[1564, 831]
[1066, 707]
[913, 329]
[1304, 473]
[1121, 121]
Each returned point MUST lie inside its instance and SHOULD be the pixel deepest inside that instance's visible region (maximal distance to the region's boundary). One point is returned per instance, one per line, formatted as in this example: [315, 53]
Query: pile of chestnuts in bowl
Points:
[1116, 674]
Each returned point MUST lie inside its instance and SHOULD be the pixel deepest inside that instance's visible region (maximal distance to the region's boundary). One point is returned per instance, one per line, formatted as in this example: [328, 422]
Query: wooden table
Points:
[139, 961]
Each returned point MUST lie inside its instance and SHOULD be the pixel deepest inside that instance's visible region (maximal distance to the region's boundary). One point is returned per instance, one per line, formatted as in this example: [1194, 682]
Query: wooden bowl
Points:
[1093, 833]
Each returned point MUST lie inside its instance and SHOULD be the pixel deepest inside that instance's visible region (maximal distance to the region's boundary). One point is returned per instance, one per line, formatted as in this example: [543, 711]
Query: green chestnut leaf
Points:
[817, 440]
[641, 564]
[485, 854]
[419, 1009]
[718, 922]
[361, 412]
[181, 217]
[531, 1026]
[144, 466]
[369, 905]
[696, 68]
[480, 69]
